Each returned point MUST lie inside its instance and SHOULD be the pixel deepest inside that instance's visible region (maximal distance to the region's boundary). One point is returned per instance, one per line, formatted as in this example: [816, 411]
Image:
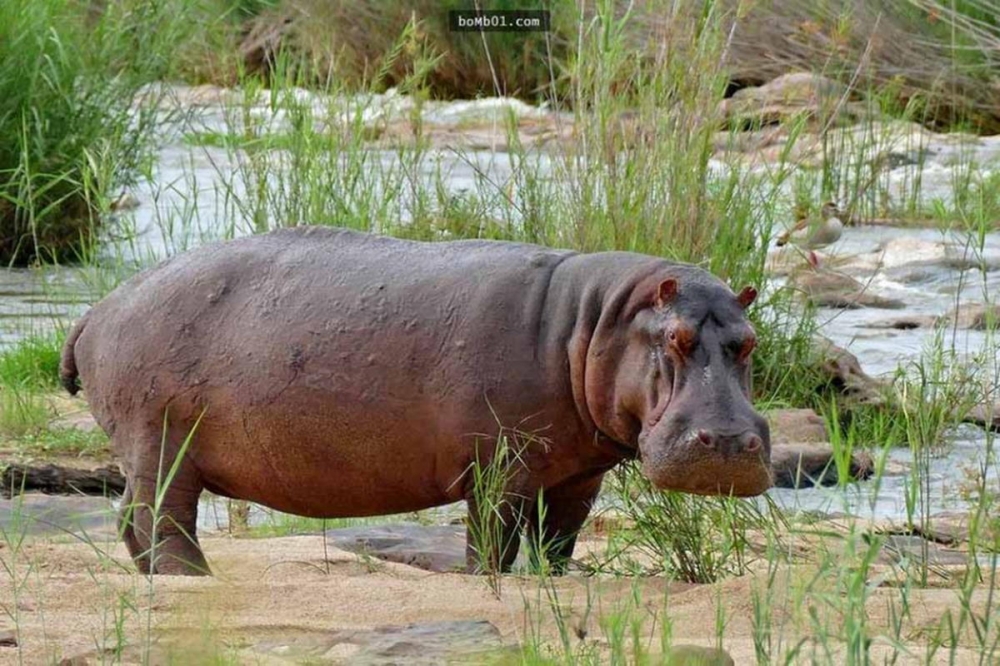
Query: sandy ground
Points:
[273, 599]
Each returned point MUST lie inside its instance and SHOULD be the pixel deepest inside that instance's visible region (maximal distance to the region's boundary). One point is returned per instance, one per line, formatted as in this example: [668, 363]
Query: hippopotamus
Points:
[330, 373]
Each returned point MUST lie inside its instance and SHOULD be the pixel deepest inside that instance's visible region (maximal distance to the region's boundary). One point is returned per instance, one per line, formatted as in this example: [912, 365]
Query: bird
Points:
[812, 233]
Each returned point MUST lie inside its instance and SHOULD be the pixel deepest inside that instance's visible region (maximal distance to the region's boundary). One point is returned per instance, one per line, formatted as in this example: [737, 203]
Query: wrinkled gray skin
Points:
[343, 374]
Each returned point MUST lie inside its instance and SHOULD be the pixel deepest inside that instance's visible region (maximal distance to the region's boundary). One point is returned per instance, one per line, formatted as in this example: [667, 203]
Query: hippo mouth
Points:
[700, 463]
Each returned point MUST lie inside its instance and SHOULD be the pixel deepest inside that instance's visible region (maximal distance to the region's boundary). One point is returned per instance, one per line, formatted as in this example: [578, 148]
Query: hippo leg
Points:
[554, 530]
[172, 521]
[497, 530]
[126, 528]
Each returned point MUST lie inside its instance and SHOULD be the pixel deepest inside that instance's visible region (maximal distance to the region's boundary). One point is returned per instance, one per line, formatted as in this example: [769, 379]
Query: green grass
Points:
[43, 441]
[68, 78]
[32, 361]
[22, 412]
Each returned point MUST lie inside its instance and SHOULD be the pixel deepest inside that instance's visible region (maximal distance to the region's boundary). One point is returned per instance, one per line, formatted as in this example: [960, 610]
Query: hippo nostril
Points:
[705, 438]
[754, 444]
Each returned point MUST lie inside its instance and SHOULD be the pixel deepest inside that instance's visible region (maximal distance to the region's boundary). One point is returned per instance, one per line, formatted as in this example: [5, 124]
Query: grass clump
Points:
[32, 361]
[687, 537]
[22, 411]
[69, 76]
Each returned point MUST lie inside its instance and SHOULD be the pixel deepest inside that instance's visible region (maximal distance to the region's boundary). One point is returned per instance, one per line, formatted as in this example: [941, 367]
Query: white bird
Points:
[811, 233]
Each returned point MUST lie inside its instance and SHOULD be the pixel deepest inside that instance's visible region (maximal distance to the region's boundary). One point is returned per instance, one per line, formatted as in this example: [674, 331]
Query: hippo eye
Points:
[681, 340]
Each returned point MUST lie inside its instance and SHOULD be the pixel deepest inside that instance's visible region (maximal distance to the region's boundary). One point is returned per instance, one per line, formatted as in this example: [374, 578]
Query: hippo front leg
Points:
[552, 531]
[494, 532]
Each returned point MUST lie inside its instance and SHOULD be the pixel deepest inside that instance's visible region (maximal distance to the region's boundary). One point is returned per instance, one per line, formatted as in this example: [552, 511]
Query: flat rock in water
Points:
[807, 465]
[904, 322]
[915, 548]
[439, 548]
[791, 96]
[696, 655]
[796, 425]
[974, 316]
[948, 528]
[53, 515]
[984, 415]
[424, 643]
[844, 373]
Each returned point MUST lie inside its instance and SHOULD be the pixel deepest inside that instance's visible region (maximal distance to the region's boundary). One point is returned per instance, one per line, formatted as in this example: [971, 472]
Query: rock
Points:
[828, 288]
[948, 528]
[464, 641]
[913, 548]
[438, 548]
[975, 316]
[807, 465]
[985, 416]
[790, 96]
[82, 420]
[904, 322]
[796, 425]
[58, 515]
[844, 373]
[8, 638]
[696, 655]
[60, 480]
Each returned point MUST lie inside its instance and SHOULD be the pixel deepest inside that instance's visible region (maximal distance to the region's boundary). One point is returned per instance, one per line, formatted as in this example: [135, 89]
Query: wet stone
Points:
[904, 323]
[796, 425]
[897, 548]
[975, 316]
[460, 641]
[439, 548]
[984, 415]
[805, 465]
[52, 515]
[844, 373]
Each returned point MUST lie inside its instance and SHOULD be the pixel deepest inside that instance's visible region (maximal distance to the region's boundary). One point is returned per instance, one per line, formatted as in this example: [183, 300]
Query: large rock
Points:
[906, 322]
[807, 465]
[832, 289]
[796, 425]
[975, 316]
[438, 548]
[797, 95]
[458, 641]
[48, 515]
[984, 415]
[844, 374]
[915, 549]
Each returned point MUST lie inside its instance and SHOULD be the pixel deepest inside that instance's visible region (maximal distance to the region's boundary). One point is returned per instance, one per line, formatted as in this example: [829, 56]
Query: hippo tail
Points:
[68, 374]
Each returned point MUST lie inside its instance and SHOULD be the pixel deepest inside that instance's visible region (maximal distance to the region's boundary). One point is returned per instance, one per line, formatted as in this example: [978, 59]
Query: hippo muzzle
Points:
[733, 459]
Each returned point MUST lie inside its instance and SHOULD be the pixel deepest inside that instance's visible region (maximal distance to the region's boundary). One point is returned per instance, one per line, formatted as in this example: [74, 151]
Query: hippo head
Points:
[683, 383]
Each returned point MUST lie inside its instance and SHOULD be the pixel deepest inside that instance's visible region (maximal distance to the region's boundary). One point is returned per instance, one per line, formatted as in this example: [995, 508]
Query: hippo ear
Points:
[746, 297]
[665, 292]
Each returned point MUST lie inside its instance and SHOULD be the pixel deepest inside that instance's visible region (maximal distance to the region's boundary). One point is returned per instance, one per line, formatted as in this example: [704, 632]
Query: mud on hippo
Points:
[330, 373]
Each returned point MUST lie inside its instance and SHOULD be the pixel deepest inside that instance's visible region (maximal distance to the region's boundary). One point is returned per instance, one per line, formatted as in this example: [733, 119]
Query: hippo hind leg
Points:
[126, 529]
[162, 539]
